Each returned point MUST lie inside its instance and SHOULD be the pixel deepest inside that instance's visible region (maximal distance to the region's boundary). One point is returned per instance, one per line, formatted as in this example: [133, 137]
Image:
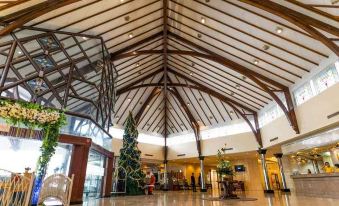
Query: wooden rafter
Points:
[303, 21]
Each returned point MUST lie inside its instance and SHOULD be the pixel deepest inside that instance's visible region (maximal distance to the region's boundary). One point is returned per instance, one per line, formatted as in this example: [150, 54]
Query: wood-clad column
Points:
[107, 185]
[78, 165]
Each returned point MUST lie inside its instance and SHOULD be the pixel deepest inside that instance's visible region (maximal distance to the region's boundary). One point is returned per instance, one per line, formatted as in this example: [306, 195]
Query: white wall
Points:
[311, 116]
[240, 143]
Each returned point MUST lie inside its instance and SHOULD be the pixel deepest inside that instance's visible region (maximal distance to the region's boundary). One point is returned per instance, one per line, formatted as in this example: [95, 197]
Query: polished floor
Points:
[188, 198]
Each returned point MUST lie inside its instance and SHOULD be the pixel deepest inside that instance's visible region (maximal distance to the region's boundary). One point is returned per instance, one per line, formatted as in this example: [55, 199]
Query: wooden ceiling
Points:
[162, 52]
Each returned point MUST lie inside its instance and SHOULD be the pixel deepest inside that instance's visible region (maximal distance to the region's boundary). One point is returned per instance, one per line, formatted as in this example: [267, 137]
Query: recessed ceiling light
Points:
[129, 99]
[137, 64]
[122, 1]
[279, 30]
[19, 52]
[127, 18]
[140, 102]
[198, 121]
[210, 117]
[159, 108]
[148, 105]
[130, 35]
[231, 112]
[256, 61]
[191, 73]
[147, 125]
[266, 47]
[116, 117]
[188, 104]
[203, 20]
[199, 35]
[84, 38]
[200, 99]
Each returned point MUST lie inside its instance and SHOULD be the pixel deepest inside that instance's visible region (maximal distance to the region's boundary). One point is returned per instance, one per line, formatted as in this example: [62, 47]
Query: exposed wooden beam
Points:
[303, 21]
[52, 5]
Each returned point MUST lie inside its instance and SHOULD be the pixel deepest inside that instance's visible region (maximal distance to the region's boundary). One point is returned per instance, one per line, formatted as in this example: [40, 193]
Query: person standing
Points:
[193, 183]
[327, 168]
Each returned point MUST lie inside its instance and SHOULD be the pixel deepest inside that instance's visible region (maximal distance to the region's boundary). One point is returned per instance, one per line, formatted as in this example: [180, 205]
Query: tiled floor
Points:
[187, 198]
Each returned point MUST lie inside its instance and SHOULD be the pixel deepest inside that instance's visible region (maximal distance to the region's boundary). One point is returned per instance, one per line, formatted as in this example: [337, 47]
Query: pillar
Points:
[78, 167]
[202, 175]
[282, 174]
[108, 177]
[262, 153]
[315, 166]
[165, 176]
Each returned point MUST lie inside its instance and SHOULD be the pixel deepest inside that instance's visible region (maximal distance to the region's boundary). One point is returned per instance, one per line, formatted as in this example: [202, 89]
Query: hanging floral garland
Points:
[35, 116]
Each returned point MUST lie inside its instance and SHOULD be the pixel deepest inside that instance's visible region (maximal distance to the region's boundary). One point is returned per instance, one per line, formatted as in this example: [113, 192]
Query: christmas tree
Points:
[130, 159]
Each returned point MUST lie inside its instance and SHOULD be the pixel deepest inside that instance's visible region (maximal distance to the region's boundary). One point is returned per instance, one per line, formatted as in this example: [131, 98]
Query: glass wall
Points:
[320, 82]
[94, 175]
[16, 154]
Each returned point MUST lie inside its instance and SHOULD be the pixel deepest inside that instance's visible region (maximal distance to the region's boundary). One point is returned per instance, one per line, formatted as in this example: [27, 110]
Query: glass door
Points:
[94, 175]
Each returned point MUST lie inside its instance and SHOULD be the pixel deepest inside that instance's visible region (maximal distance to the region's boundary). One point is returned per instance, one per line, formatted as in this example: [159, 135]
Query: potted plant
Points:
[225, 172]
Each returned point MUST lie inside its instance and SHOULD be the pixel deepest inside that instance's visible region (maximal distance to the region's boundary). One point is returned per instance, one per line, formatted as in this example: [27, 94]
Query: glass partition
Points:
[83, 127]
[16, 154]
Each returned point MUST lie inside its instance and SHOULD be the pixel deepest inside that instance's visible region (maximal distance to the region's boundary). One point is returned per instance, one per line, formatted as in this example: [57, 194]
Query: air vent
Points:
[149, 155]
[274, 139]
[180, 155]
[332, 115]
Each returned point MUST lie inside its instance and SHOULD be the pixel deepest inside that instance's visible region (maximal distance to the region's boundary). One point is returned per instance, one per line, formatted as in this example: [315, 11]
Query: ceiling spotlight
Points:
[135, 52]
[137, 64]
[116, 117]
[19, 52]
[140, 102]
[148, 106]
[193, 64]
[256, 61]
[231, 112]
[188, 104]
[279, 30]
[159, 108]
[203, 20]
[198, 121]
[126, 18]
[266, 47]
[130, 35]
[129, 99]
[199, 35]
[200, 99]
[84, 38]
[191, 73]
[122, 1]
[147, 125]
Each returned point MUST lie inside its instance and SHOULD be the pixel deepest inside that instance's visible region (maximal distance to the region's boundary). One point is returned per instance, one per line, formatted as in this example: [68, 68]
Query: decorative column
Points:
[315, 166]
[202, 175]
[262, 153]
[165, 176]
[282, 174]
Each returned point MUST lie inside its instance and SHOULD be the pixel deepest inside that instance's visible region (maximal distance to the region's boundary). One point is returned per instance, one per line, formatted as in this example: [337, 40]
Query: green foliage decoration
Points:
[33, 116]
[224, 167]
[130, 159]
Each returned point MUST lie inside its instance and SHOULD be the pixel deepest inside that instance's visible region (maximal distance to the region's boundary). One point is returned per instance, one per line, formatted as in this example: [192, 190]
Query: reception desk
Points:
[320, 185]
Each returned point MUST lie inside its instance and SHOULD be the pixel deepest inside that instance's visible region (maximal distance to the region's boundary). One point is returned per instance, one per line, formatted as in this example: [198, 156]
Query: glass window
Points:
[326, 78]
[303, 93]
